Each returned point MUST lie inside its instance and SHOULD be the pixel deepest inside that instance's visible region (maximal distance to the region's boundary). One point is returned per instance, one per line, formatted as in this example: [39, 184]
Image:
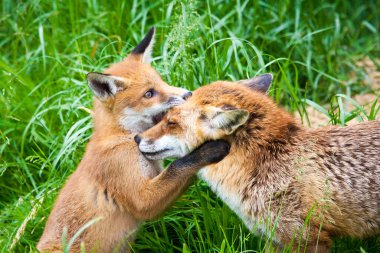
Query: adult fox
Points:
[300, 186]
[114, 181]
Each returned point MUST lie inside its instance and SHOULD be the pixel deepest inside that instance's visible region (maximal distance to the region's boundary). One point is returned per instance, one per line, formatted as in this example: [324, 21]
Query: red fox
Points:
[114, 182]
[300, 186]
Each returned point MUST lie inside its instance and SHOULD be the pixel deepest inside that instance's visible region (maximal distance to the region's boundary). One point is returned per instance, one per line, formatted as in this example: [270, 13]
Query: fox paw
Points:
[211, 152]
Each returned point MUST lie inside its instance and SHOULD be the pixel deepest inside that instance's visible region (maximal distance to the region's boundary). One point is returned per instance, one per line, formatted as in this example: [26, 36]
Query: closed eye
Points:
[171, 123]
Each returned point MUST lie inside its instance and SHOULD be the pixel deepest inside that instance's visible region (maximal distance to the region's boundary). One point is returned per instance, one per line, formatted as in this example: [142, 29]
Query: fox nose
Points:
[187, 95]
[137, 139]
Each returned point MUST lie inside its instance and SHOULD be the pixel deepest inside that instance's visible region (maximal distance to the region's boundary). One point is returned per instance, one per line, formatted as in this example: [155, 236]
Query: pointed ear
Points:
[143, 51]
[104, 86]
[228, 120]
[260, 83]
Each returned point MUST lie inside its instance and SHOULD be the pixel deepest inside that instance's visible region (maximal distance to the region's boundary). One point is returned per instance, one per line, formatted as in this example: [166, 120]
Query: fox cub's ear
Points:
[103, 86]
[228, 120]
[260, 83]
[143, 51]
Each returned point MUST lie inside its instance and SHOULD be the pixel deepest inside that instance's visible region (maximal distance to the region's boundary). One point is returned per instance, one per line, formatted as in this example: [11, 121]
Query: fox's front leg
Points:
[155, 195]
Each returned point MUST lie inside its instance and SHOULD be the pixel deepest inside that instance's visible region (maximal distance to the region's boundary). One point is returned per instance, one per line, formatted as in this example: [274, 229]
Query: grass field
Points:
[47, 47]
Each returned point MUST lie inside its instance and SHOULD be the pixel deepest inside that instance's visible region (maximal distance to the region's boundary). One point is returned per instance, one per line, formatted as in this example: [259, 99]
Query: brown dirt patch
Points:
[370, 80]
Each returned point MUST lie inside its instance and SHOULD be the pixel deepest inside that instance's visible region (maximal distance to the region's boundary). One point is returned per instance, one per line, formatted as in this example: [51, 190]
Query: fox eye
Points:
[149, 93]
[171, 123]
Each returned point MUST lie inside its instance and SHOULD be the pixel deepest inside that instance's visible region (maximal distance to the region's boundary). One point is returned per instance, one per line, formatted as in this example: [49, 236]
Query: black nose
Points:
[187, 95]
[137, 139]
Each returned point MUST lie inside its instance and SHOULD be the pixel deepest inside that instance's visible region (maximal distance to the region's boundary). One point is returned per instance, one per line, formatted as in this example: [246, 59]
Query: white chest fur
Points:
[228, 184]
[149, 168]
[227, 194]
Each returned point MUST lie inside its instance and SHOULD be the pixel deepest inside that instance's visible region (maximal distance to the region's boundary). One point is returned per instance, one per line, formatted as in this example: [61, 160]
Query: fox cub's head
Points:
[133, 92]
[215, 111]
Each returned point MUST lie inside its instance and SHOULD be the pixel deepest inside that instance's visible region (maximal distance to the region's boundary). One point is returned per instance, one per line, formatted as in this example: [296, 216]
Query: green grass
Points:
[47, 47]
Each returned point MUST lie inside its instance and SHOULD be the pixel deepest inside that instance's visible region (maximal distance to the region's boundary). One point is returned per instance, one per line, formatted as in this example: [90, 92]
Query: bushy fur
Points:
[278, 174]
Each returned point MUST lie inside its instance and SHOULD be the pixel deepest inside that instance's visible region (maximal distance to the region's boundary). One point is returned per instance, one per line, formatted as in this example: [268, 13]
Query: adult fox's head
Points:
[215, 111]
[132, 92]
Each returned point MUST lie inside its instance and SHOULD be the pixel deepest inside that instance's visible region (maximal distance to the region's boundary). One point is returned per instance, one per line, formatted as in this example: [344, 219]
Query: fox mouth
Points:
[153, 155]
[158, 117]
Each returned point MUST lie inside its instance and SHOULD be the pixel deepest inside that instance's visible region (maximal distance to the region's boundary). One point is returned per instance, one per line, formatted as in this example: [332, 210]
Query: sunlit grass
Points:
[47, 47]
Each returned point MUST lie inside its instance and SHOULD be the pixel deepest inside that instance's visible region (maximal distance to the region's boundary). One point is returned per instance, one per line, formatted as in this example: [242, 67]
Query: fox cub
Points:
[278, 174]
[114, 182]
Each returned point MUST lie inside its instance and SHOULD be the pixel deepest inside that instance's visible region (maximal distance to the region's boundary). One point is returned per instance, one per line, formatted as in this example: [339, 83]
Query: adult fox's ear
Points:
[104, 86]
[143, 51]
[260, 83]
[228, 120]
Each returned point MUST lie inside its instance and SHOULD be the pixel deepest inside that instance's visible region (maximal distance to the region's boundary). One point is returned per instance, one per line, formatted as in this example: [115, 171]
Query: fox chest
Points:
[229, 184]
[224, 187]
[149, 168]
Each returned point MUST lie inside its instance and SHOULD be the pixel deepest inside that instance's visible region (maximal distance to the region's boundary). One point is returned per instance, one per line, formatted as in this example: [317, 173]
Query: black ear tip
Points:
[90, 76]
[150, 33]
[140, 48]
[266, 78]
[94, 75]
[152, 30]
[260, 83]
[269, 76]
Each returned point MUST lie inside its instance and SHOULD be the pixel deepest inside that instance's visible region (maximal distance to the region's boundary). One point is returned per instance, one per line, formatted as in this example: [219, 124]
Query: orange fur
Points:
[277, 172]
[114, 181]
